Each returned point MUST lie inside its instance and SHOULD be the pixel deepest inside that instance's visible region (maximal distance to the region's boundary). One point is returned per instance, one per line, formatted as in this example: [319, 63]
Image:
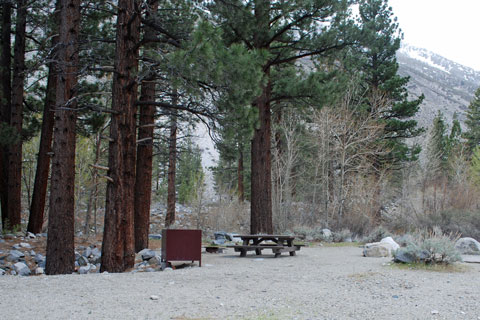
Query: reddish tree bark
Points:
[14, 213]
[118, 249]
[37, 207]
[240, 171]
[261, 180]
[61, 222]
[5, 103]
[172, 166]
[143, 177]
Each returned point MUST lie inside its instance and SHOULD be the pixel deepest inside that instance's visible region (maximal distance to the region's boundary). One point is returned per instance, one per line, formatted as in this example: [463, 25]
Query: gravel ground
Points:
[318, 283]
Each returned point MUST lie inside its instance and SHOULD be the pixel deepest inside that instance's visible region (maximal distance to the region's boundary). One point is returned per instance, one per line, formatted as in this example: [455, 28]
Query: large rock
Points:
[22, 269]
[404, 255]
[147, 254]
[39, 271]
[96, 256]
[82, 261]
[384, 248]
[39, 258]
[2, 272]
[155, 261]
[327, 233]
[25, 245]
[84, 269]
[394, 246]
[377, 249]
[15, 255]
[87, 252]
[468, 246]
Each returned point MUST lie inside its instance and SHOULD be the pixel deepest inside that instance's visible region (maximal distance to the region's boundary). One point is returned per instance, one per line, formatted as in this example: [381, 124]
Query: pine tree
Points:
[118, 248]
[437, 147]
[375, 63]
[472, 134]
[60, 241]
[6, 131]
[37, 207]
[284, 33]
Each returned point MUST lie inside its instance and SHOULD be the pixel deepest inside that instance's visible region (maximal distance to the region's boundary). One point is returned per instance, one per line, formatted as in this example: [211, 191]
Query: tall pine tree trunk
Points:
[37, 207]
[16, 119]
[118, 249]
[172, 165]
[261, 180]
[5, 103]
[240, 174]
[61, 219]
[143, 177]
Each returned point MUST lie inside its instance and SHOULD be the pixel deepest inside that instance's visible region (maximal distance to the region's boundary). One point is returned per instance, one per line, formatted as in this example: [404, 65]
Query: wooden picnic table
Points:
[258, 242]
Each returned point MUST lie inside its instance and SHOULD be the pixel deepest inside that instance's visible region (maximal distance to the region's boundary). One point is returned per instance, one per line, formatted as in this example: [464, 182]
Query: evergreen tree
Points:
[475, 166]
[118, 248]
[374, 61]
[437, 147]
[283, 32]
[472, 134]
[454, 139]
[60, 241]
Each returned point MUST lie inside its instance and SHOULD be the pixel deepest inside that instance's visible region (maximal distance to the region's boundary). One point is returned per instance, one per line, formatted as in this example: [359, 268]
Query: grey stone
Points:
[96, 256]
[223, 236]
[13, 273]
[41, 264]
[2, 241]
[39, 271]
[22, 269]
[16, 246]
[405, 257]
[327, 233]
[82, 261]
[147, 254]
[25, 245]
[391, 242]
[377, 249]
[155, 261]
[87, 252]
[84, 269]
[15, 255]
[39, 258]
[31, 235]
[2, 272]
[96, 252]
[219, 242]
[468, 246]
[32, 253]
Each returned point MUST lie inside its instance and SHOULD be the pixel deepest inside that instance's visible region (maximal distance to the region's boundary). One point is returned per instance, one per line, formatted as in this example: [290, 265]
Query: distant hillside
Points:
[447, 85]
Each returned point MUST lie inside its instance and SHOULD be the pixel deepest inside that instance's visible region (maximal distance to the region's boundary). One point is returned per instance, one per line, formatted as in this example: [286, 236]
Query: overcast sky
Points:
[446, 27]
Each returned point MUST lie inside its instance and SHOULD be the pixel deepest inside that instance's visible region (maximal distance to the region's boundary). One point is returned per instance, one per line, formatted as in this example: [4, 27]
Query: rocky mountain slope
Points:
[447, 85]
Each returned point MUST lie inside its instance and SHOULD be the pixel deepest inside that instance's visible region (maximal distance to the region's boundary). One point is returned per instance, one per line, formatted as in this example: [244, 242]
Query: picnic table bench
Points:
[258, 242]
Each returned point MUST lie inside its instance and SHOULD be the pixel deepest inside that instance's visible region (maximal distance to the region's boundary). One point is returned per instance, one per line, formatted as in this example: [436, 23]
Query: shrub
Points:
[377, 234]
[433, 248]
[344, 235]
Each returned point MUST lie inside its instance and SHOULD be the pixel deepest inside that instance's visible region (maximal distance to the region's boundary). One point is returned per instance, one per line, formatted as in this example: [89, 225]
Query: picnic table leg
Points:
[293, 253]
[258, 252]
[243, 253]
[277, 254]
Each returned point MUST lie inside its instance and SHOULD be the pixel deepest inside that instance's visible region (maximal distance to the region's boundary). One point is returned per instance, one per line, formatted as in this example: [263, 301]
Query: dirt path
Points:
[319, 283]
